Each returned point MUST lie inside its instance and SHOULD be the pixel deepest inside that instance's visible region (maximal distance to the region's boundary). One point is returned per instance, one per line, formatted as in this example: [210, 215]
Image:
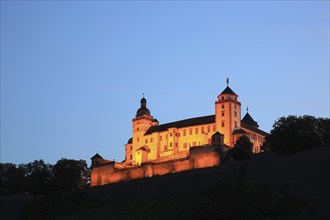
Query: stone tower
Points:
[141, 123]
[227, 114]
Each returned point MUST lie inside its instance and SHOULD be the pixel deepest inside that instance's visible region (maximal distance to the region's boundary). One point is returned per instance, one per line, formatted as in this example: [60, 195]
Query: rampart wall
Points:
[199, 157]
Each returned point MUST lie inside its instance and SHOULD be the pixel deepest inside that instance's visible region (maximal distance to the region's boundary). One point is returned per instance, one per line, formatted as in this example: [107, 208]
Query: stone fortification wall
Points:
[205, 156]
[199, 157]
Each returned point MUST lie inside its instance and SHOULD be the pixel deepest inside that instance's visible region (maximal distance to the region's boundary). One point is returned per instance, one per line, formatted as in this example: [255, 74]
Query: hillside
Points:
[291, 187]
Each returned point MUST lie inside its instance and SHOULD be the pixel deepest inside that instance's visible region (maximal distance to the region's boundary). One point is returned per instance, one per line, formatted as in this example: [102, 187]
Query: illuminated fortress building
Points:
[156, 149]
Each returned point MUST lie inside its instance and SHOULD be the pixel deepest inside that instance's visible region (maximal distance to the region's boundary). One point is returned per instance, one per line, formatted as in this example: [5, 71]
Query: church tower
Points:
[141, 123]
[227, 114]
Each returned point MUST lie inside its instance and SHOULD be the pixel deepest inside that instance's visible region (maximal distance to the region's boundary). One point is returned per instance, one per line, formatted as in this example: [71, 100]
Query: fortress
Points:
[157, 149]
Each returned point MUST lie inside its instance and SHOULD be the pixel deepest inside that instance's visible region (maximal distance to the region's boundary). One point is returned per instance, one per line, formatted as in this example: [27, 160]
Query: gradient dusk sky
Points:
[73, 73]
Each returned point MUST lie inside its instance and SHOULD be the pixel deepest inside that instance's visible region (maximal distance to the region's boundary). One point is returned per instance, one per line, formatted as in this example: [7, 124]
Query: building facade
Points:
[157, 149]
[152, 141]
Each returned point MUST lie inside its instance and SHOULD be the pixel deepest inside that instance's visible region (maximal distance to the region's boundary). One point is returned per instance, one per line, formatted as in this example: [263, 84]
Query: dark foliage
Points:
[265, 147]
[12, 179]
[70, 174]
[242, 149]
[293, 134]
[38, 177]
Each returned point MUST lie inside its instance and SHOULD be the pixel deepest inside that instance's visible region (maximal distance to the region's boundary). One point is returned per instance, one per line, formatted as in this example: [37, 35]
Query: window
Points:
[222, 106]
[138, 139]
[171, 144]
[160, 137]
[194, 143]
[190, 131]
[170, 134]
[208, 129]
[196, 130]
[235, 113]
[235, 124]
[185, 145]
[165, 147]
[131, 156]
[222, 98]
[184, 132]
[176, 144]
[202, 129]
[235, 106]
[223, 124]
[146, 141]
[214, 128]
[150, 139]
[138, 129]
[131, 147]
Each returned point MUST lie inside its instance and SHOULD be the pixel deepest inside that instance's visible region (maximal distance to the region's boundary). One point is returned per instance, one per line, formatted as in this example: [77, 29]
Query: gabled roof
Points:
[254, 129]
[228, 90]
[217, 133]
[180, 124]
[96, 156]
[239, 131]
[144, 148]
[249, 120]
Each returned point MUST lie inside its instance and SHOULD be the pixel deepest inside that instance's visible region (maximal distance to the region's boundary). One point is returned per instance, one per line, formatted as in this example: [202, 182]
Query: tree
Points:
[242, 149]
[292, 134]
[12, 179]
[265, 147]
[39, 177]
[70, 174]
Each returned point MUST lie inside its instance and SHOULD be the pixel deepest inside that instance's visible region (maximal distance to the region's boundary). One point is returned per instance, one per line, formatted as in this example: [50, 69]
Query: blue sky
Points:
[73, 73]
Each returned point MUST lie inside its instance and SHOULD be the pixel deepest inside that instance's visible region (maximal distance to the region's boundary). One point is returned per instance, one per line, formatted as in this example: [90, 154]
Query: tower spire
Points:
[227, 81]
[247, 109]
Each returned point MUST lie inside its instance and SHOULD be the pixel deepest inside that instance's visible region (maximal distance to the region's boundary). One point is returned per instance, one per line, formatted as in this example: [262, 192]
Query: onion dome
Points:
[143, 110]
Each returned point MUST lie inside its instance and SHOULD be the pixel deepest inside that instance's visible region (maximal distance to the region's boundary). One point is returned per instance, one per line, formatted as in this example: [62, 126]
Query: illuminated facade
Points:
[152, 141]
[157, 149]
